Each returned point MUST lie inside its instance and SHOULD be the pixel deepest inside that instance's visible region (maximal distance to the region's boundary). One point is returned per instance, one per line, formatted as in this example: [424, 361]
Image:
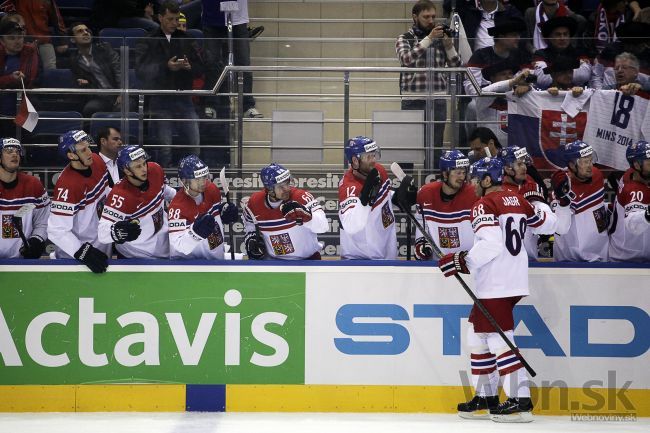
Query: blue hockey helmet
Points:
[128, 154]
[70, 139]
[487, 166]
[453, 159]
[576, 150]
[637, 152]
[191, 167]
[509, 155]
[11, 142]
[274, 174]
[359, 145]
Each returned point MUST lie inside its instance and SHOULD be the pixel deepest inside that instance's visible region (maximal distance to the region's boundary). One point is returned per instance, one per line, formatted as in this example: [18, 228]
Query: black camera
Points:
[531, 79]
[447, 30]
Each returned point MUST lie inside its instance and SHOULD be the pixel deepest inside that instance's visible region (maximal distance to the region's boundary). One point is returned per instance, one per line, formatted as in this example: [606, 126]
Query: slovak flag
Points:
[536, 121]
[26, 117]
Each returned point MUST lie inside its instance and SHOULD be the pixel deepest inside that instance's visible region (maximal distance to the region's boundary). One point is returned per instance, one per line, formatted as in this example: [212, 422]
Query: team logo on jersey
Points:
[449, 237]
[216, 238]
[387, 217]
[100, 206]
[8, 229]
[282, 244]
[157, 220]
[601, 217]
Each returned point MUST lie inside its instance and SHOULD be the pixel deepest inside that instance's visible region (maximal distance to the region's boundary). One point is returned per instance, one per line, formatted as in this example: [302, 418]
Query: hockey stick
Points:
[17, 220]
[226, 191]
[399, 173]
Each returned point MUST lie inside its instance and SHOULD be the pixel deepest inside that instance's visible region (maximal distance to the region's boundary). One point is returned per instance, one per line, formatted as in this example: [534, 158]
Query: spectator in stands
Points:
[182, 22]
[191, 10]
[558, 33]
[95, 66]
[109, 143]
[168, 59]
[626, 68]
[216, 48]
[482, 143]
[633, 38]
[561, 72]
[507, 46]
[412, 48]
[609, 15]
[479, 16]
[42, 17]
[19, 64]
[548, 10]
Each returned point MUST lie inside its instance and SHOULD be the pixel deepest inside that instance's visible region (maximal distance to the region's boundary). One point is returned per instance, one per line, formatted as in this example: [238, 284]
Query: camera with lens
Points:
[531, 79]
[447, 30]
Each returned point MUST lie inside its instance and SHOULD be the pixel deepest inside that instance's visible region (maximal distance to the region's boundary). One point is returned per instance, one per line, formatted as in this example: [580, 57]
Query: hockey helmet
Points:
[637, 151]
[359, 145]
[509, 155]
[70, 139]
[453, 159]
[128, 154]
[487, 166]
[274, 174]
[191, 167]
[576, 150]
[11, 142]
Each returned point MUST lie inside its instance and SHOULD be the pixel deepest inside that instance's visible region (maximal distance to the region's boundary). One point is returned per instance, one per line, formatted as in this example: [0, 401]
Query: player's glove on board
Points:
[229, 213]
[370, 188]
[294, 211]
[90, 256]
[423, 250]
[125, 231]
[34, 248]
[255, 248]
[453, 263]
[204, 225]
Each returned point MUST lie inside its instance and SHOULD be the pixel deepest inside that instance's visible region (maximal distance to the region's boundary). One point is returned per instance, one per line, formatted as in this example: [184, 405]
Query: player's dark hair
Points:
[485, 135]
[422, 5]
[170, 6]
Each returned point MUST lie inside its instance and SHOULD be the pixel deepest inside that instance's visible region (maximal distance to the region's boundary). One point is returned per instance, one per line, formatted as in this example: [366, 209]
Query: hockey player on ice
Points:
[282, 221]
[499, 265]
[197, 215]
[134, 216]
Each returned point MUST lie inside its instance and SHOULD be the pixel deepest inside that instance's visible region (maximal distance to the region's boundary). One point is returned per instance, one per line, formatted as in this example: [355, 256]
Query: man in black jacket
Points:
[168, 60]
[95, 66]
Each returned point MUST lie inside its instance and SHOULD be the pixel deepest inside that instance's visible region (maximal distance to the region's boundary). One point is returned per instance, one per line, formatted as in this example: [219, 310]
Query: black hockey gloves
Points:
[255, 247]
[125, 231]
[294, 211]
[229, 213]
[406, 194]
[561, 187]
[370, 188]
[33, 249]
[90, 256]
[204, 225]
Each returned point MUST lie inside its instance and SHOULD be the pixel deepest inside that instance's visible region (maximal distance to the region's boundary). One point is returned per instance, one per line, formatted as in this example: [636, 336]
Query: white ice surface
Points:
[189, 422]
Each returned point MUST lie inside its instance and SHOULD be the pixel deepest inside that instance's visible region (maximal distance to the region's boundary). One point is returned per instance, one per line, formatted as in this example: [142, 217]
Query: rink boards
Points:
[330, 336]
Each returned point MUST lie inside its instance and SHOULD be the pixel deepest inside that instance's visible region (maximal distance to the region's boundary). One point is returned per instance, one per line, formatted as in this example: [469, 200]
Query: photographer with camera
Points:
[426, 45]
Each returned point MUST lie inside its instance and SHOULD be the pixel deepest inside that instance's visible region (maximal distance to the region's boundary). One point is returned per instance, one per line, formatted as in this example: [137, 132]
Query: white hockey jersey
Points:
[448, 222]
[498, 259]
[530, 239]
[286, 239]
[183, 210]
[25, 190]
[630, 238]
[367, 232]
[127, 202]
[582, 226]
[77, 203]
